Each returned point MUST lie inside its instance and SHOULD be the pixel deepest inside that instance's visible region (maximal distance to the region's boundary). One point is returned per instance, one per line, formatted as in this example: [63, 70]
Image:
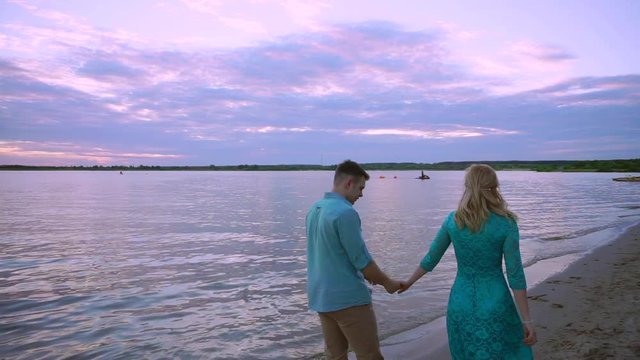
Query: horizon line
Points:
[322, 165]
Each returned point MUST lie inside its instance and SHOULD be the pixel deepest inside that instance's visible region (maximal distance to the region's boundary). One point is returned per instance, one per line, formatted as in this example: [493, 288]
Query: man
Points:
[338, 263]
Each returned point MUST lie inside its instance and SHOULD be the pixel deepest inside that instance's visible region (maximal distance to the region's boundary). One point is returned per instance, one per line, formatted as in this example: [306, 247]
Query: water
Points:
[212, 264]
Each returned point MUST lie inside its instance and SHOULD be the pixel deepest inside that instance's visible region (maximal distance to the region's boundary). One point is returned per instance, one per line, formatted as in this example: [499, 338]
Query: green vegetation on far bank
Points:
[624, 165]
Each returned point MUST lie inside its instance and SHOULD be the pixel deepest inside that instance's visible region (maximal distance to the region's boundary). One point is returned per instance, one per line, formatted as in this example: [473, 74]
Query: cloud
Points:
[520, 66]
[591, 91]
[41, 153]
[454, 31]
[332, 87]
[454, 132]
[305, 13]
[212, 7]
[341, 58]
[301, 13]
[539, 52]
[100, 68]
[270, 129]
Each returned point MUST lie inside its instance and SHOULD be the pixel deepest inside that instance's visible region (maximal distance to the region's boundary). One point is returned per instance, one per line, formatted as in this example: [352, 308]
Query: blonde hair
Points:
[481, 196]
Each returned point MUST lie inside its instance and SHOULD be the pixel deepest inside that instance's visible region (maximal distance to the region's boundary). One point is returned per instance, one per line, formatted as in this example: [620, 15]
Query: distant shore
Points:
[617, 165]
[587, 311]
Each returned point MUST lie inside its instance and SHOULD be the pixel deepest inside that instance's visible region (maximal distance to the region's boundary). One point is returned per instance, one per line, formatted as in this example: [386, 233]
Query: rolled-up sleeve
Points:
[350, 234]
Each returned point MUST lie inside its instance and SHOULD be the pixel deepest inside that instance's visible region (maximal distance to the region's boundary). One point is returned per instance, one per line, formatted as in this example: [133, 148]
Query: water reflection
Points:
[212, 264]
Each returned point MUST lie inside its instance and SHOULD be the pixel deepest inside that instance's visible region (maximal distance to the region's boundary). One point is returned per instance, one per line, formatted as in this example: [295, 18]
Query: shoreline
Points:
[590, 311]
[587, 309]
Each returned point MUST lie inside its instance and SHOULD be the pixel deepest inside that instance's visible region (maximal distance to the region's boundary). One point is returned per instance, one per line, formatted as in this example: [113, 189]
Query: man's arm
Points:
[374, 275]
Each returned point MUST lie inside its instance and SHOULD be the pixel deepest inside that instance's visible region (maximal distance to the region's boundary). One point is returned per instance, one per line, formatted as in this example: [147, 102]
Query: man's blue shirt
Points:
[336, 254]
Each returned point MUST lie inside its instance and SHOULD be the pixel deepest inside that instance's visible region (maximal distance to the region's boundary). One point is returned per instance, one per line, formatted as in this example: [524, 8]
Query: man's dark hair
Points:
[349, 167]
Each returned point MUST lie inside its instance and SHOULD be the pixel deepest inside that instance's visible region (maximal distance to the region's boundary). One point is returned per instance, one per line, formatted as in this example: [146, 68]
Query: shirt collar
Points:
[335, 195]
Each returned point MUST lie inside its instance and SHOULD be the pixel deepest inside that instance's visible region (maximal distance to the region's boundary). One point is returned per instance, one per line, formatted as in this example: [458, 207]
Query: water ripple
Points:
[212, 264]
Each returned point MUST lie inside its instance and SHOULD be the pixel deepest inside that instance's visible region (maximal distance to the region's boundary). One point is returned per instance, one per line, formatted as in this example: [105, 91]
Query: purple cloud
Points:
[372, 91]
[102, 68]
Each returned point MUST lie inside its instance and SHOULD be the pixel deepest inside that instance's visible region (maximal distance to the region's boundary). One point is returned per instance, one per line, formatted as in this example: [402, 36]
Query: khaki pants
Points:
[356, 327]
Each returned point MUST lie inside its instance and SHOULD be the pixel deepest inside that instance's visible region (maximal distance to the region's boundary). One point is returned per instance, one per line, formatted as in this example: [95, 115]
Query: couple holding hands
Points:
[484, 321]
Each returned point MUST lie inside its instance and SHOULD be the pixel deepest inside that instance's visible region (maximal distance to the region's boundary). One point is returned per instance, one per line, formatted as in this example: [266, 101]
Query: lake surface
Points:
[212, 264]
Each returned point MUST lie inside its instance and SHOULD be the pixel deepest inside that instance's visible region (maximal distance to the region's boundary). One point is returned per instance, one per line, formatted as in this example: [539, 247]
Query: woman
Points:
[482, 320]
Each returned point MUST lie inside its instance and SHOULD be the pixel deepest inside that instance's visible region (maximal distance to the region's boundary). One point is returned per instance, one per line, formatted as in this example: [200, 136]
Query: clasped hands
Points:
[394, 286]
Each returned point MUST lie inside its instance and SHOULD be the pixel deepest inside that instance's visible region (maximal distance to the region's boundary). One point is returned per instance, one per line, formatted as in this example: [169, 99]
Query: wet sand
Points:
[591, 310]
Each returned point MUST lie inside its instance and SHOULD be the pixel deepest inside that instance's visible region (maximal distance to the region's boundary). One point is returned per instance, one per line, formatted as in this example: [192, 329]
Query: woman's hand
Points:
[530, 337]
[404, 286]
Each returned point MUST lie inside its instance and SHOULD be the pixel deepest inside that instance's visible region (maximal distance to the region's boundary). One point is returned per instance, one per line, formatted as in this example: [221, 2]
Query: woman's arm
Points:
[433, 256]
[517, 281]
[404, 286]
[520, 296]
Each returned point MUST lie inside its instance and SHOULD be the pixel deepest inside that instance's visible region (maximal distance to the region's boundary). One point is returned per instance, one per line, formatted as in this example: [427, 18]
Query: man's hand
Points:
[404, 286]
[416, 275]
[392, 285]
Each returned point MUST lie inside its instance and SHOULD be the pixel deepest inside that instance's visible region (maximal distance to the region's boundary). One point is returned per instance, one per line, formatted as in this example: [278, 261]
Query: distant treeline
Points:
[626, 165]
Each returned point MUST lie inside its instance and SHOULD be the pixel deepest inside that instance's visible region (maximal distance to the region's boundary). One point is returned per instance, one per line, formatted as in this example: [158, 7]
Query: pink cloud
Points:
[519, 66]
[454, 132]
[206, 6]
[243, 24]
[456, 32]
[305, 13]
[271, 129]
[62, 153]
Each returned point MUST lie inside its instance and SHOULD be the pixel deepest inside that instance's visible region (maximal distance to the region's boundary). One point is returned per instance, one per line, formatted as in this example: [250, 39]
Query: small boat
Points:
[628, 179]
[423, 176]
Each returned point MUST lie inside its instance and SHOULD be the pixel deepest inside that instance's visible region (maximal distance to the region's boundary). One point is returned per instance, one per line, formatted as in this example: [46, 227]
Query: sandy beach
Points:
[591, 310]
[588, 311]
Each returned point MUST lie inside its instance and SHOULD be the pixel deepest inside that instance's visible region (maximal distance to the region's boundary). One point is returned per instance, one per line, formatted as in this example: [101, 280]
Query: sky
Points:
[215, 82]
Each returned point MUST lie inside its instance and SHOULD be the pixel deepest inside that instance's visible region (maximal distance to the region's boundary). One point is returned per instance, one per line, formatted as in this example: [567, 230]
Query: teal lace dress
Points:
[482, 320]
